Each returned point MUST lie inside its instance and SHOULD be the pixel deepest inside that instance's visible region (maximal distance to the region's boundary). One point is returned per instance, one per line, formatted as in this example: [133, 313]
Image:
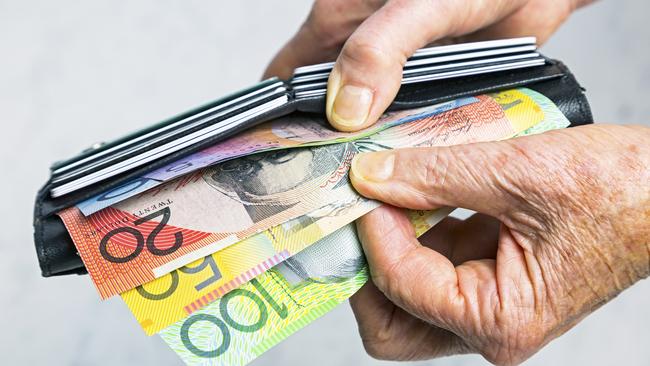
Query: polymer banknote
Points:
[201, 213]
[178, 294]
[183, 291]
[249, 320]
[242, 325]
[296, 130]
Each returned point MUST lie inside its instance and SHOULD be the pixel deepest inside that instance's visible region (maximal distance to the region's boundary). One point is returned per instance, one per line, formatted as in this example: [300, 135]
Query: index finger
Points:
[416, 278]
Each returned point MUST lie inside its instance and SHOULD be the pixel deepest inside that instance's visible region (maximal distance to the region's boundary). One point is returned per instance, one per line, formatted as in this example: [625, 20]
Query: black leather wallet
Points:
[425, 83]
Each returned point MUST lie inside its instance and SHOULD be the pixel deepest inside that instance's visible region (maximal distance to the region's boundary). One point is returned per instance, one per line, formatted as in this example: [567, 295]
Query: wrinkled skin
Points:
[564, 217]
[565, 228]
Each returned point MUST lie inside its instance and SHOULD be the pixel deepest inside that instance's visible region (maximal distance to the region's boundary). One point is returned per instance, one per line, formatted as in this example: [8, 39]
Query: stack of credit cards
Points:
[437, 63]
[104, 161]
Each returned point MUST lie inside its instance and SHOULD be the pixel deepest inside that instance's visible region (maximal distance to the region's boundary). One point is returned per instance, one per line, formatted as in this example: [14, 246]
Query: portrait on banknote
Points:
[271, 182]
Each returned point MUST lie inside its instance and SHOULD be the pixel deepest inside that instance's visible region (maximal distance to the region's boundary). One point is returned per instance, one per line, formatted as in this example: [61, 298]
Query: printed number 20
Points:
[140, 241]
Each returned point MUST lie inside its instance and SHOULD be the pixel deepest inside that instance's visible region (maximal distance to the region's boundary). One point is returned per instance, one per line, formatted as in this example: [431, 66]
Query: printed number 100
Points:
[228, 322]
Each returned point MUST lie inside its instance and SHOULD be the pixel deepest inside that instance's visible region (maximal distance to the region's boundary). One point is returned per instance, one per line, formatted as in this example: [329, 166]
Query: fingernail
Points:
[348, 105]
[351, 106]
[373, 167]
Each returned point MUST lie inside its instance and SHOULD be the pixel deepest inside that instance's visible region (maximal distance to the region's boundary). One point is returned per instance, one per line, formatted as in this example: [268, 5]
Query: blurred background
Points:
[76, 72]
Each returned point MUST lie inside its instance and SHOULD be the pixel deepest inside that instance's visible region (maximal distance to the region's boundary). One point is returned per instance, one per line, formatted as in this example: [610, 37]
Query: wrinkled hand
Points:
[564, 227]
[373, 39]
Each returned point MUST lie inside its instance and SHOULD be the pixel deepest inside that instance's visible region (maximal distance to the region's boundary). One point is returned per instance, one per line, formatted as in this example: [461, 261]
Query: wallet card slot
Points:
[50, 205]
[168, 148]
[417, 95]
[438, 91]
[225, 100]
[461, 65]
[469, 56]
[446, 72]
[473, 46]
[177, 127]
[448, 62]
[473, 71]
[193, 123]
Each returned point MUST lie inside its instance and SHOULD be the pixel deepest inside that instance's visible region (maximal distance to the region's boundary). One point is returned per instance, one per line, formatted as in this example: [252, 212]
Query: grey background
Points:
[76, 72]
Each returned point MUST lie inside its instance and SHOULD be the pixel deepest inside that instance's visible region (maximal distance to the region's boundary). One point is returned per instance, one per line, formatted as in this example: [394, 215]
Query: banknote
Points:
[553, 117]
[183, 291]
[152, 234]
[203, 212]
[286, 132]
[249, 320]
[179, 293]
[294, 293]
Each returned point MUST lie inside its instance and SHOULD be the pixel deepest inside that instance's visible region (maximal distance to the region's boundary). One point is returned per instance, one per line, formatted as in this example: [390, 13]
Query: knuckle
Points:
[377, 349]
[513, 169]
[450, 167]
[436, 172]
[519, 337]
[385, 277]
[325, 30]
[362, 50]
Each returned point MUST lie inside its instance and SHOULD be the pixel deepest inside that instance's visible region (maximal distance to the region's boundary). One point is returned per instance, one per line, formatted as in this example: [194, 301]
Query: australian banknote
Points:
[296, 292]
[249, 320]
[297, 130]
[183, 291]
[208, 210]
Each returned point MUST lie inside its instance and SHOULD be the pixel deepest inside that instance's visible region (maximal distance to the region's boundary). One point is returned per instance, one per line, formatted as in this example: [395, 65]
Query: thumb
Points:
[475, 176]
[368, 71]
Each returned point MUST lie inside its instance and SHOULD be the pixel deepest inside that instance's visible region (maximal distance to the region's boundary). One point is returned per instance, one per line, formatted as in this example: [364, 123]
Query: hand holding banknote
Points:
[573, 228]
[574, 232]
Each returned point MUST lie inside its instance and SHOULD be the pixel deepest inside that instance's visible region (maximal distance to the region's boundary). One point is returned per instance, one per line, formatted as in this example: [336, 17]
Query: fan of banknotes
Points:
[232, 249]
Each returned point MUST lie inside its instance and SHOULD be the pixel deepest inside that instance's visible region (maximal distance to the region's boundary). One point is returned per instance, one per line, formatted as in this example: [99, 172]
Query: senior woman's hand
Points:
[372, 40]
[573, 231]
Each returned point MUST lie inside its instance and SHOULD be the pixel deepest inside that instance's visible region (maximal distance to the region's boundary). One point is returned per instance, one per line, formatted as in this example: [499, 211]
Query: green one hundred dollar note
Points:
[251, 319]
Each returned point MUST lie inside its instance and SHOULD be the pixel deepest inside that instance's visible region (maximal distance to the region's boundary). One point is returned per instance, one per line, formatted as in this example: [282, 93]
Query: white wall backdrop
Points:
[77, 72]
